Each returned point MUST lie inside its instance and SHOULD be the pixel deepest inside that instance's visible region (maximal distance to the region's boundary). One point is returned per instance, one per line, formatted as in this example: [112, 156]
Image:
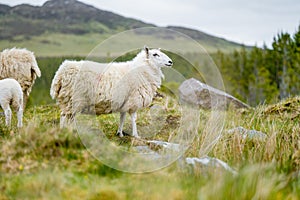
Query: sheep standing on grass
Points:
[109, 87]
[11, 94]
[21, 65]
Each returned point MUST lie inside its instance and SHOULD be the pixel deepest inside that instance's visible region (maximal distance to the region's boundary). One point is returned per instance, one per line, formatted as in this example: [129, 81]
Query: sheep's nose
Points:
[170, 62]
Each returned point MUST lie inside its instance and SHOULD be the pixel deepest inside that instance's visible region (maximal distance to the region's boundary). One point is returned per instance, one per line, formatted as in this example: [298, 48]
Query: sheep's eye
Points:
[155, 54]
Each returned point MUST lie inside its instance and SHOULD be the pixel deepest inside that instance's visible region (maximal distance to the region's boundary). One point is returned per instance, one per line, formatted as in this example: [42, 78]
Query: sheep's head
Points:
[158, 58]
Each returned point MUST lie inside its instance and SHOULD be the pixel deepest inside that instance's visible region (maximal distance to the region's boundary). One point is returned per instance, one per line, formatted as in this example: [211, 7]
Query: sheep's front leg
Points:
[122, 120]
[133, 122]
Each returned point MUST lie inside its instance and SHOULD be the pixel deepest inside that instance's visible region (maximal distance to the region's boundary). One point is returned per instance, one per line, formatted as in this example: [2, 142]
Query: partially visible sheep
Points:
[109, 87]
[11, 94]
[21, 65]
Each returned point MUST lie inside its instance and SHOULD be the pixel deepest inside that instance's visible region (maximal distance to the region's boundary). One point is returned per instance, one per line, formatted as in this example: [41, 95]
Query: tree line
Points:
[259, 75]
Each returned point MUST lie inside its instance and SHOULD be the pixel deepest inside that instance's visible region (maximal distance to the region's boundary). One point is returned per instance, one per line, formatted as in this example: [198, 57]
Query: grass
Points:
[58, 44]
[40, 161]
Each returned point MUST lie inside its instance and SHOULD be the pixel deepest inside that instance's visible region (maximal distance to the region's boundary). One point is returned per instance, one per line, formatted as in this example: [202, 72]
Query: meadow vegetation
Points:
[40, 161]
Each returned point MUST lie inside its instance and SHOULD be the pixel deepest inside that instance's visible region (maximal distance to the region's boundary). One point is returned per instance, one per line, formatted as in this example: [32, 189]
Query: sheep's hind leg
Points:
[20, 116]
[133, 122]
[122, 120]
[62, 121]
[19, 108]
[7, 113]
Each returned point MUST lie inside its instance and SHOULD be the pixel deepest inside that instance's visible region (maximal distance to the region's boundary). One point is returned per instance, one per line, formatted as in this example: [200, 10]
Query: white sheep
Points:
[109, 87]
[21, 65]
[11, 94]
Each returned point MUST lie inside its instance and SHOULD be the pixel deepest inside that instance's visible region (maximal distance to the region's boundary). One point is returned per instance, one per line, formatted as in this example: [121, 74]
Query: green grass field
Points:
[50, 45]
[40, 161]
[56, 44]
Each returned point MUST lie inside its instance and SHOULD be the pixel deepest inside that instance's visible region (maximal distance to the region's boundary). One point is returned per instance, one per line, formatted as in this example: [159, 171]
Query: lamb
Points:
[21, 65]
[11, 94]
[123, 87]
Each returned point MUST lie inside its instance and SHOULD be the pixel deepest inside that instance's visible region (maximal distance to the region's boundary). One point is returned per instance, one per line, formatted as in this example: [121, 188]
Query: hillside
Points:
[56, 25]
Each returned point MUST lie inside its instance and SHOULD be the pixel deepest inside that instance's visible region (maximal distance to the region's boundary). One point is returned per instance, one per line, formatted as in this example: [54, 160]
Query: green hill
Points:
[60, 27]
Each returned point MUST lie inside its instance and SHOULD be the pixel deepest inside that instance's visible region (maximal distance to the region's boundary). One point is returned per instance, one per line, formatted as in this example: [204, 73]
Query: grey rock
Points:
[166, 145]
[250, 134]
[146, 150]
[189, 164]
[204, 96]
[209, 163]
[156, 149]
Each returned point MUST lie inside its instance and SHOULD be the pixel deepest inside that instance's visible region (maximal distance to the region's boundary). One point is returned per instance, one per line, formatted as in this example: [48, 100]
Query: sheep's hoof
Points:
[122, 134]
[119, 134]
[137, 136]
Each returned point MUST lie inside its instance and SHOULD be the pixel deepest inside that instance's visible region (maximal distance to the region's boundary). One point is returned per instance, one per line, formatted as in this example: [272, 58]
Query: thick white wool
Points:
[114, 87]
[65, 84]
[11, 95]
[21, 65]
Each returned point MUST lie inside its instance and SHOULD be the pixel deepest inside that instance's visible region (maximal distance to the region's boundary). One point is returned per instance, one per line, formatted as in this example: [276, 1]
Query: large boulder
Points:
[204, 96]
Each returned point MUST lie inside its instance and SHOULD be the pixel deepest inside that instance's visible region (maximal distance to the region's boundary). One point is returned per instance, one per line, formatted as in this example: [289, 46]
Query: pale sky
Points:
[243, 21]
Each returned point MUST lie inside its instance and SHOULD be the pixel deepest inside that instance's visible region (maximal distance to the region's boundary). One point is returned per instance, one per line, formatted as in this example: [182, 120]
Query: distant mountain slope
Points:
[27, 26]
[198, 35]
[64, 16]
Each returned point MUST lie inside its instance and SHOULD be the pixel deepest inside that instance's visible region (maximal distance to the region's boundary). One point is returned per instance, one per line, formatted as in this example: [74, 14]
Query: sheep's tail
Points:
[64, 77]
[55, 87]
[35, 70]
[56, 82]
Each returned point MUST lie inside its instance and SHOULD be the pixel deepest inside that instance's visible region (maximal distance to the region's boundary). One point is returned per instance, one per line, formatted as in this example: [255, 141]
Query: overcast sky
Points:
[248, 22]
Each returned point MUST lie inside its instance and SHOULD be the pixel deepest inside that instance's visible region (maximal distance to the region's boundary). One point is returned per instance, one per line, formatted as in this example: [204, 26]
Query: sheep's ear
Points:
[146, 49]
